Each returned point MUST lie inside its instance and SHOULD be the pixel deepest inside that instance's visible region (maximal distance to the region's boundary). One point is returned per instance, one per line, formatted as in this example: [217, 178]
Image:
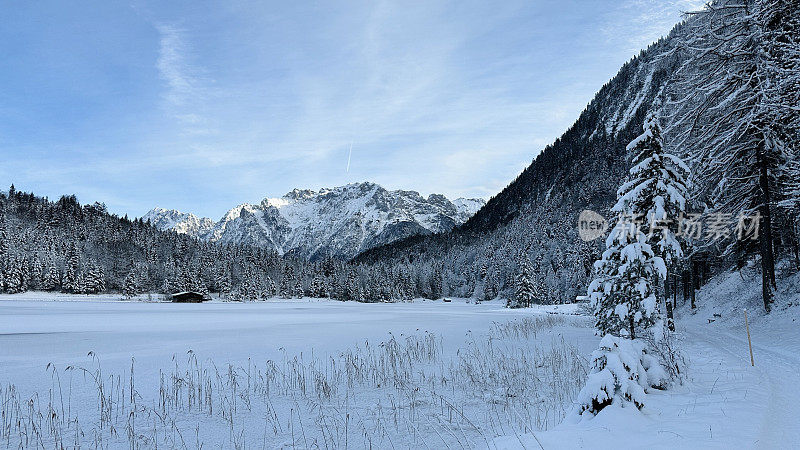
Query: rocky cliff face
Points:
[339, 222]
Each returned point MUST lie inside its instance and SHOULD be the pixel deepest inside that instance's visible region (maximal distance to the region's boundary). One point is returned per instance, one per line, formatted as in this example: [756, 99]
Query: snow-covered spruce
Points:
[655, 190]
[622, 295]
[527, 290]
[622, 371]
[654, 195]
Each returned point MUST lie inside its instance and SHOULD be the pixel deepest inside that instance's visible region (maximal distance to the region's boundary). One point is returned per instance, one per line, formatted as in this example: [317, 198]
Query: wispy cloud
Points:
[638, 23]
[186, 91]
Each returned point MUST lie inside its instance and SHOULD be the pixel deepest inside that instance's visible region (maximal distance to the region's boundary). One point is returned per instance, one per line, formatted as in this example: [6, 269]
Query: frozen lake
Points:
[429, 365]
[35, 330]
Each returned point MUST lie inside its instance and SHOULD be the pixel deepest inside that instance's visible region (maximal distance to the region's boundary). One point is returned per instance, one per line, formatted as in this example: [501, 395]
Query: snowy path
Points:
[725, 403]
[775, 406]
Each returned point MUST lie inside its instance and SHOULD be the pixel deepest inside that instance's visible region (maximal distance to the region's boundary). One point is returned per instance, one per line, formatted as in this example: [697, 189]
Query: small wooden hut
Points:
[188, 297]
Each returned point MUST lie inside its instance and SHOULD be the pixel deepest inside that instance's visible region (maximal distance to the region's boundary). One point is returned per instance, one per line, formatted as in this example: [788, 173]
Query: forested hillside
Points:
[728, 80]
[69, 247]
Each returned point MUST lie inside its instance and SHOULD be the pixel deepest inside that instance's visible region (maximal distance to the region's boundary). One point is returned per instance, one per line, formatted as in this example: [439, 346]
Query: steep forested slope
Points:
[726, 79]
[535, 216]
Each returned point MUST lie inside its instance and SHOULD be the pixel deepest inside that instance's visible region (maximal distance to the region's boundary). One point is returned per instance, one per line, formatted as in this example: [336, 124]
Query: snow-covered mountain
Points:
[186, 223]
[339, 222]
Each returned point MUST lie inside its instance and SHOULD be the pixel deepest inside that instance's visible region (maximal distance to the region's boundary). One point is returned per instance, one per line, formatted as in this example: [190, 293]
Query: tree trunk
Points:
[670, 319]
[692, 281]
[668, 304]
[633, 327]
[675, 291]
[685, 280]
[765, 234]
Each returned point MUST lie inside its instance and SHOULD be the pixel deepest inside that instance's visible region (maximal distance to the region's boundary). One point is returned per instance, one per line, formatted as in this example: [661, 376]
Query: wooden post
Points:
[749, 342]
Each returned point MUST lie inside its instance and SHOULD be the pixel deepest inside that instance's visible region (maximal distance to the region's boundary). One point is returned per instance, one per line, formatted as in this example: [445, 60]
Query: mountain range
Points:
[340, 222]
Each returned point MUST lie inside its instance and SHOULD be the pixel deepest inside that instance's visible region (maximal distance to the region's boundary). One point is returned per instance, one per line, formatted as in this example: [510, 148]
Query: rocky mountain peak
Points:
[332, 222]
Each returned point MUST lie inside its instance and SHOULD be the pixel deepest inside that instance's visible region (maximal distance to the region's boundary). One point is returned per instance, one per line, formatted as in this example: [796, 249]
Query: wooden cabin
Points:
[188, 297]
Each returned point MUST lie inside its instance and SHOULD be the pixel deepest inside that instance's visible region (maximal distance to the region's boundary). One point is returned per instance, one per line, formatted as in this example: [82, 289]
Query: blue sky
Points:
[200, 106]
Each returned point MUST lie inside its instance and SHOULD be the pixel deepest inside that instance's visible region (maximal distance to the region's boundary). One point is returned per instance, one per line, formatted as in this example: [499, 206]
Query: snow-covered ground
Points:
[285, 373]
[725, 403]
[427, 374]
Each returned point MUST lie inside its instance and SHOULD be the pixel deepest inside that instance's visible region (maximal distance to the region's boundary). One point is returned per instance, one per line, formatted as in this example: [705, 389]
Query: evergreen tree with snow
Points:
[525, 291]
[352, 288]
[51, 279]
[224, 282]
[14, 279]
[655, 190]
[298, 291]
[93, 281]
[71, 281]
[287, 283]
[489, 289]
[654, 194]
[437, 282]
[35, 281]
[131, 285]
[270, 290]
[317, 287]
[622, 372]
[622, 295]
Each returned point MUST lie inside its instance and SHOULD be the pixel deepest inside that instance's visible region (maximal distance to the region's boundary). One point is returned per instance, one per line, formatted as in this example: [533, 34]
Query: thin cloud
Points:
[186, 91]
[642, 22]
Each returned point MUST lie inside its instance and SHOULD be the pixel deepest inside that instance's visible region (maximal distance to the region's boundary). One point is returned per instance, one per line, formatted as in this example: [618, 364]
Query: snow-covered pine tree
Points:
[489, 289]
[287, 283]
[224, 282]
[622, 371]
[93, 280]
[437, 283]
[51, 278]
[14, 282]
[622, 295]
[35, 281]
[298, 291]
[317, 288]
[352, 288]
[270, 290]
[654, 193]
[130, 287]
[525, 292]
[71, 281]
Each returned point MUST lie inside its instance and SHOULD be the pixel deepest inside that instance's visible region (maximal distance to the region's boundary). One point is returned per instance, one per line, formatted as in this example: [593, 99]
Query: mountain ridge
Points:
[336, 222]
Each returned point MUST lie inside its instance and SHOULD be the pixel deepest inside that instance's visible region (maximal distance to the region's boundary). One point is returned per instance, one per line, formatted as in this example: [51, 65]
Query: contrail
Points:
[349, 155]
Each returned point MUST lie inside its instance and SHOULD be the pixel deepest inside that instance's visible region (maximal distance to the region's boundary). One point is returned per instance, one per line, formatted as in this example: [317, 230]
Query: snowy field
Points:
[284, 373]
[428, 374]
